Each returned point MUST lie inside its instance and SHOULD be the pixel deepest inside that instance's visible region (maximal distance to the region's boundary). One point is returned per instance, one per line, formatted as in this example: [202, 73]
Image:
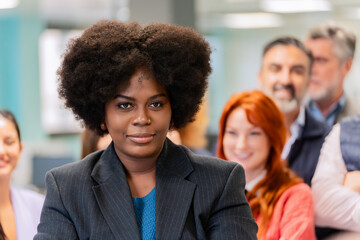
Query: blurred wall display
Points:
[55, 118]
[4, 4]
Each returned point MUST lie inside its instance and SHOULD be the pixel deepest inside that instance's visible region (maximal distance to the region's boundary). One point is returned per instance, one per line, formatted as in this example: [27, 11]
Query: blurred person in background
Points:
[135, 83]
[19, 208]
[193, 135]
[284, 76]
[333, 49]
[92, 142]
[336, 182]
[253, 134]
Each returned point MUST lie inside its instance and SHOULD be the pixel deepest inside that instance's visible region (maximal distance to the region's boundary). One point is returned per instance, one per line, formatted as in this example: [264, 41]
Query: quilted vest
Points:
[350, 142]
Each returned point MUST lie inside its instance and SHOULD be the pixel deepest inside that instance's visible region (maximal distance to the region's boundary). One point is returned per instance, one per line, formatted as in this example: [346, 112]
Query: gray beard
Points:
[286, 106]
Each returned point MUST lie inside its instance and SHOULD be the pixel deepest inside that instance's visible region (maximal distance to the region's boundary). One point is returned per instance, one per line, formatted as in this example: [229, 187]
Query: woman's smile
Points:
[3, 163]
[243, 156]
[141, 138]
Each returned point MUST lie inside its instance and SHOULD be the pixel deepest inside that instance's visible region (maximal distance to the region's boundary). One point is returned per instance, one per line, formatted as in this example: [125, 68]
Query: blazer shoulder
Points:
[213, 166]
[78, 168]
[209, 161]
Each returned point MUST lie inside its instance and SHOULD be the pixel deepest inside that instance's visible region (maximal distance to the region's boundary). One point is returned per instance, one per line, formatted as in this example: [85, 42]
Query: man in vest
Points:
[336, 183]
[284, 76]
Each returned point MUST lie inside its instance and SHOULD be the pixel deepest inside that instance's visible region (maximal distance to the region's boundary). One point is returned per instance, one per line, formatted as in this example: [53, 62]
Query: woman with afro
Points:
[136, 83]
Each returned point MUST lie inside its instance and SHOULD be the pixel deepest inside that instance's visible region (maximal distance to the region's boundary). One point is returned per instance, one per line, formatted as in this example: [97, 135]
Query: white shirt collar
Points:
[251, 184]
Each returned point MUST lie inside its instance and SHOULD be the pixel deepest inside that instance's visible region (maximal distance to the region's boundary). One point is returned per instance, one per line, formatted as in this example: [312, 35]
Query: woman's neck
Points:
[7, 214]
[141, 183]
[5, 198]
[140, 174]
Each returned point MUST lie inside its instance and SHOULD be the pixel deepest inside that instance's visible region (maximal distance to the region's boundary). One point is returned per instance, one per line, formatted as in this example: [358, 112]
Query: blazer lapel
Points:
[174, 193]
[113, 196]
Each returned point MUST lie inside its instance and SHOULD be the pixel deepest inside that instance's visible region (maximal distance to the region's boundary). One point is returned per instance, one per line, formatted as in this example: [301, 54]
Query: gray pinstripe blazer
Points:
[197, 197]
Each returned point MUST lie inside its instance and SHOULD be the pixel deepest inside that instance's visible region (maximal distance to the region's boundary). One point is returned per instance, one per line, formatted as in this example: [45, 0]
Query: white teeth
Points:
[243, 155]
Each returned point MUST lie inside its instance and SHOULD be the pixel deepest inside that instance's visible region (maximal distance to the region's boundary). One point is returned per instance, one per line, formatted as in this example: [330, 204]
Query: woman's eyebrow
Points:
[133, 99]
[123, 96]
[158, 95]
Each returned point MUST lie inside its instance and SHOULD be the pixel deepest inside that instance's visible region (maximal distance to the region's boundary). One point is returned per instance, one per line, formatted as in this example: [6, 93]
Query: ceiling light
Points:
[292, 6]
[252, 20]
[8, 4]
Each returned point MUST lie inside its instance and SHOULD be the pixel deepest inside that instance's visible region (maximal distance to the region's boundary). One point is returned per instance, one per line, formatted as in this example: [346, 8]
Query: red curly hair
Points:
[262, 111]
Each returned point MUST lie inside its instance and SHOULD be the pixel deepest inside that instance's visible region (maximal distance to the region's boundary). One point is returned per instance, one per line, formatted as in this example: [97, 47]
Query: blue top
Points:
[331, 117]
[145, 214]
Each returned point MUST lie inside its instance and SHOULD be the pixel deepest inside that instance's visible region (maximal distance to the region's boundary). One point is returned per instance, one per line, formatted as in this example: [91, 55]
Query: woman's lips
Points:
[141, 137]
[243, 156]
[3, 163]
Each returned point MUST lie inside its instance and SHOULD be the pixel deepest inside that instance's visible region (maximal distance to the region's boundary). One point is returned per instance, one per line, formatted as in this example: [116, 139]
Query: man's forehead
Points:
[320, 46]
[286, 54]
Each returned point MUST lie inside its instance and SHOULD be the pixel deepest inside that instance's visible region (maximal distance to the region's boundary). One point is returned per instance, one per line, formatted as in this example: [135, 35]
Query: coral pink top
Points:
[293, 216]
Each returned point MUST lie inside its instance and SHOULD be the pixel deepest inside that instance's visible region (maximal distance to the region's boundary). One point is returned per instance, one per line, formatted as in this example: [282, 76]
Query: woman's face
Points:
[10, 147]
[139, 117]
[245, 143]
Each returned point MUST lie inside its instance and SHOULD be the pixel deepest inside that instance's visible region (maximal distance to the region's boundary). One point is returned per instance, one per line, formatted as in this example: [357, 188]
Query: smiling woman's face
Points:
[139, 117]
[245, 143]
[10, 147]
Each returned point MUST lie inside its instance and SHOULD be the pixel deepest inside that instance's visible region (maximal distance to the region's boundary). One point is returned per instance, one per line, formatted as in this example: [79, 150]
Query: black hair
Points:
[108, 54]
[9, 116]
[285, 41]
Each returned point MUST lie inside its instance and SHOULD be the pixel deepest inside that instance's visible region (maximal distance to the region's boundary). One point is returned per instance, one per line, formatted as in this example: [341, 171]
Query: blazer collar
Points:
[172, 158]
[174, 193]
[113, 196]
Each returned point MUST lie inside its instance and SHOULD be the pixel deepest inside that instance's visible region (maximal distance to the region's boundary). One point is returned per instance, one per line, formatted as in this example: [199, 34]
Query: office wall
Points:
[20, 30]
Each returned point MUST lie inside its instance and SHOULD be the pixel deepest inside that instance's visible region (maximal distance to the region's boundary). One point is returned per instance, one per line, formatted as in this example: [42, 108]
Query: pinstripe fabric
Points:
[197, 197]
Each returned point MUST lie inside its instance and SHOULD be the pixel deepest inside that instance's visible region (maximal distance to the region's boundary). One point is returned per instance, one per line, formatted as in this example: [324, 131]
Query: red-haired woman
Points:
[252, 133]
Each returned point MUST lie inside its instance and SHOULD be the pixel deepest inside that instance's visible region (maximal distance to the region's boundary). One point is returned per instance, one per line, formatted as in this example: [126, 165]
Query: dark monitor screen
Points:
[42, 164]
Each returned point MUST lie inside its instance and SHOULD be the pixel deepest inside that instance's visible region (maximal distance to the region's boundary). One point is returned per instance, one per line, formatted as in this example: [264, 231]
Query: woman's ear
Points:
[103, 125]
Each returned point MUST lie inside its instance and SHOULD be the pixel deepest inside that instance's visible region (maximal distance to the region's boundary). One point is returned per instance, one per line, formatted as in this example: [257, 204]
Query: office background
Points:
[34, 32]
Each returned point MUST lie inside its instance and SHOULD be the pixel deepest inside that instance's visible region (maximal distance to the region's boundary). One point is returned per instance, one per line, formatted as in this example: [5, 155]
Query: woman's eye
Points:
[156, 104]
[9, 142]
[255, 133]
[232, 133]
[124, 105]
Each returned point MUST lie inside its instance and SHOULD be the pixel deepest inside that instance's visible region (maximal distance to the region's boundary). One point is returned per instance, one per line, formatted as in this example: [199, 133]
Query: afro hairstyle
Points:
[109, 52]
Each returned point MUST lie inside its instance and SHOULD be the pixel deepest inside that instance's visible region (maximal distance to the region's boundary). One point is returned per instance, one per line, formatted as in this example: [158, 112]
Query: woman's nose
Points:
[142, 118]
[241, 142]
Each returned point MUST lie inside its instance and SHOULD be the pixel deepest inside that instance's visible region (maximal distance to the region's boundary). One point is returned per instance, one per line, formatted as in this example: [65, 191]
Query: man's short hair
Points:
[341, 38]
[285, 41]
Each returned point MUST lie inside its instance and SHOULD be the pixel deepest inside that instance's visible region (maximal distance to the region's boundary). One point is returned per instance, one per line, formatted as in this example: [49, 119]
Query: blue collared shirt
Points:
[296, 130]
[331, 117]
